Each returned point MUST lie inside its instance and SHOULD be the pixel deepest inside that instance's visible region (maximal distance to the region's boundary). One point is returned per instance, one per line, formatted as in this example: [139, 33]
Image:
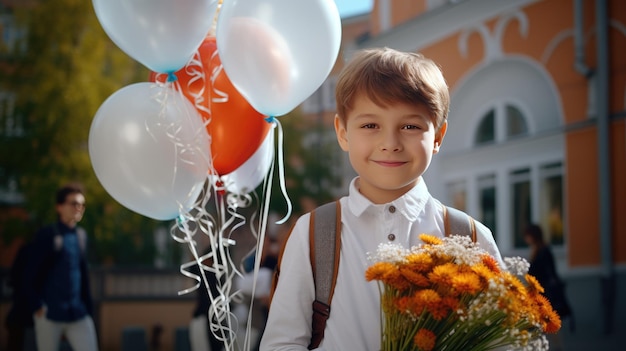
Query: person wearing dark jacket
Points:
[542, 267]
[57, 278]
[19, 318]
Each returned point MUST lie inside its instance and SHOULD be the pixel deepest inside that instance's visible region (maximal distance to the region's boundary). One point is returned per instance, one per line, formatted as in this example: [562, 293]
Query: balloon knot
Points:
[219, 185]
[171, 77]
[270, 119]
[180, 219]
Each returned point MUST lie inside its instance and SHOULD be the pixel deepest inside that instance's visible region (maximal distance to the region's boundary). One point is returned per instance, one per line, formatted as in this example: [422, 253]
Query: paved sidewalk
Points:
[592, 338]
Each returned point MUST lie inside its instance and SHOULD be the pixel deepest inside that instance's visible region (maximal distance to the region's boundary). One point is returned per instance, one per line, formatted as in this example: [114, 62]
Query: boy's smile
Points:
[389, 147]
[390, 163]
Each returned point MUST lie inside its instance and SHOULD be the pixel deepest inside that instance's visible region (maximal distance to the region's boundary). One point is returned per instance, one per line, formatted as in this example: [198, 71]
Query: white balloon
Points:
[161, 34]
[278, 52]
[251, 173]
[150, 150]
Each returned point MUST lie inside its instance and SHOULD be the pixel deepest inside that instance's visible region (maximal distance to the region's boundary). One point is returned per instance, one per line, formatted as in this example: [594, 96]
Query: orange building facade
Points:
[531, 116]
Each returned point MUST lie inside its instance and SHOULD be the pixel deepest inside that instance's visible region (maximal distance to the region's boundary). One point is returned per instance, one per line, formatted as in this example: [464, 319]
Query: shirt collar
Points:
[410, 205]
[63, 228]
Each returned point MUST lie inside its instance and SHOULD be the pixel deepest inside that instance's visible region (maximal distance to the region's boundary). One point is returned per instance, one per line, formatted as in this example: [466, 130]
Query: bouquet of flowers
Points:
[449, 294]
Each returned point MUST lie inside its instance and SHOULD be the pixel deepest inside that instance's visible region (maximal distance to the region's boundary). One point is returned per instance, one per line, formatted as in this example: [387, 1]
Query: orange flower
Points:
[484, 273]
[427, 297]
[533, 284]
[403, 304]
[425, 339]
[419, 262]
[430, 239]
[451, 303]
[396, 280]
[466, 283]
[378, 270]
[414, 277]
[552, 322]
[443, 274]
[491, 263]
[513, 284]
[548, 318]
[439, 311]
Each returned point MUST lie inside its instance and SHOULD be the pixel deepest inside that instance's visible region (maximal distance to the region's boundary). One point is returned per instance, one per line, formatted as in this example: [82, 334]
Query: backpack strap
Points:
[458, 222]
[325, 246]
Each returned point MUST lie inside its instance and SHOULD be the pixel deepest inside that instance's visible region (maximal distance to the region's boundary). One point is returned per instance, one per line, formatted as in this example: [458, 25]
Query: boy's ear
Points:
[340, 130]
[439, 136]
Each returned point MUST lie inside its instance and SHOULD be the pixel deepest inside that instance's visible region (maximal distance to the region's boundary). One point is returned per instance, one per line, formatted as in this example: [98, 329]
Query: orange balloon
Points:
[237, 130]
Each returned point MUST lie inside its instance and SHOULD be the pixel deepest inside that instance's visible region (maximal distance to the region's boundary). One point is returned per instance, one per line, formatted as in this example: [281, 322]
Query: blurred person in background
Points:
[19, 318]
[543, 267]
[56, 278]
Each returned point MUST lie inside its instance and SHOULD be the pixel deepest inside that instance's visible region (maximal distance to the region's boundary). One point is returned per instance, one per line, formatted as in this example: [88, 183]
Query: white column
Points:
[384, 15]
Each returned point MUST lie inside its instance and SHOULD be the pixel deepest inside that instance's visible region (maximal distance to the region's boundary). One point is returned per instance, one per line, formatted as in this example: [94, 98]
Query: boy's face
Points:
[389, 147]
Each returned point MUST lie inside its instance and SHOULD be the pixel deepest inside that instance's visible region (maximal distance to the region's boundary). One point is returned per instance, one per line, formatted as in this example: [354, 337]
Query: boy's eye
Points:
[369, 126]
[411, 126]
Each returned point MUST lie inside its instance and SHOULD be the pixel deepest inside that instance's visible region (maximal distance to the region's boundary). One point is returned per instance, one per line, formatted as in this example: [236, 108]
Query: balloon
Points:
[236, 128]
[278, 52]
[149, 149]
[161, 34]
[251, 173]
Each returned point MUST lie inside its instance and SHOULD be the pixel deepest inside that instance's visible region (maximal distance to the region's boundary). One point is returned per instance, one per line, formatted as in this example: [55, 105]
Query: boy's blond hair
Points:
[389, 76]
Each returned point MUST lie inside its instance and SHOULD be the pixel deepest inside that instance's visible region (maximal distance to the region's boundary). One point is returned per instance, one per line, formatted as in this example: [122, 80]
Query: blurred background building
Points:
[537, 133]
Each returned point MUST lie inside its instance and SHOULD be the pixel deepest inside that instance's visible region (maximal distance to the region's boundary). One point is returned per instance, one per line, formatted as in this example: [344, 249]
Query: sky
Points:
[348, 8]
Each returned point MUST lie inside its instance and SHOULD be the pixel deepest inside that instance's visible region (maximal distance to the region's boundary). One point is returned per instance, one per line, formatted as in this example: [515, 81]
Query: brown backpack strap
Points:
[457, 222]
[325, 246]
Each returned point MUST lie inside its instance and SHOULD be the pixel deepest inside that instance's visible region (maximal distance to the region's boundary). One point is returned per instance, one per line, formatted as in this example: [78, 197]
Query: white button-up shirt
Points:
[354, 322]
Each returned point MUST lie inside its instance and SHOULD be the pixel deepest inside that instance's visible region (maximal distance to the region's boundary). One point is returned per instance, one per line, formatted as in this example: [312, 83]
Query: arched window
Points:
[486, 132]
[515, 122]
[502, 160]
[500, 123]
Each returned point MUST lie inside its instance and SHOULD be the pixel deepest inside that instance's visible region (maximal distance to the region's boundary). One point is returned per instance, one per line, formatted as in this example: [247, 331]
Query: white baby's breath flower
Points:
[517, 265]
[462, 249]
[538, 344]
[386, 252]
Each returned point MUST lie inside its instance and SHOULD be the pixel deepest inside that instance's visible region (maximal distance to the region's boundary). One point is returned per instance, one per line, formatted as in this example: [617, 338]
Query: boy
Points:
[391, 119]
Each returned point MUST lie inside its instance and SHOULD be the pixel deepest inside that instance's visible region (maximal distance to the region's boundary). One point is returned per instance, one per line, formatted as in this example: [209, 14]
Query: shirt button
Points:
[391, 237]
[392, 209]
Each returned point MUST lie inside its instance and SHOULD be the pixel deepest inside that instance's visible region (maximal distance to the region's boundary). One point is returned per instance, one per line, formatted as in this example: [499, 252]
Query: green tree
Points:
[67, 69]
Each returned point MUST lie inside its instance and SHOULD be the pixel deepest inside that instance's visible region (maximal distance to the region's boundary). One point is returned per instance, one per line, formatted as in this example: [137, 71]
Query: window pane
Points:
[515, 122]
[521, 205]
[457, 195]
[488, 203]
[553, 209]
[486, 129]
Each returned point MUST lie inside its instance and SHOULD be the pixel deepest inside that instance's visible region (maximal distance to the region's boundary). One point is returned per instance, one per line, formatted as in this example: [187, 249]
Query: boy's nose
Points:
[390, 142]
